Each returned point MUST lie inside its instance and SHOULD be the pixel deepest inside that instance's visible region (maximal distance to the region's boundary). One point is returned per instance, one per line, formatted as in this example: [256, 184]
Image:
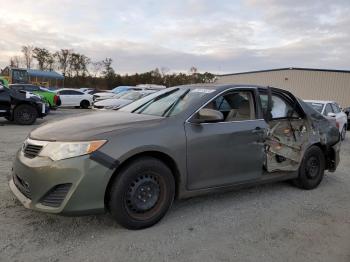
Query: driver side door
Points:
[230, 151]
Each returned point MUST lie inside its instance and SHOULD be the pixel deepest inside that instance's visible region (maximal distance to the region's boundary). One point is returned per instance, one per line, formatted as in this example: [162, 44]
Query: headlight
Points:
[62, 150]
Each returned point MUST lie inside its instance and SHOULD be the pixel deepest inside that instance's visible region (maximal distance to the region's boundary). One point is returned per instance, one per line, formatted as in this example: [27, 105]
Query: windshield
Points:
[120, 89]
[134, 95]
[167, 102]
[19, 76]
[317, 106]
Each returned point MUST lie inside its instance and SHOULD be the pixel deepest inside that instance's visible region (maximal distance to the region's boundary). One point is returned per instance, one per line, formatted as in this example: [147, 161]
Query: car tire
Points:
[343, 133]
[311, 170]
[25, 114]
[84, 104]
[142, 193]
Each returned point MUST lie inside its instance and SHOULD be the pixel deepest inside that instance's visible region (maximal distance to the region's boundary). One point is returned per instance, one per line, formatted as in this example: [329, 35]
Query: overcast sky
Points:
[218, 36]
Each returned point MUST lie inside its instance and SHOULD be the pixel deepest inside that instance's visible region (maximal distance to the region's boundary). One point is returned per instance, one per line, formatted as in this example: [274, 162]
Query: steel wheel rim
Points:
[312, 167]
[143, 194]
[25, 115]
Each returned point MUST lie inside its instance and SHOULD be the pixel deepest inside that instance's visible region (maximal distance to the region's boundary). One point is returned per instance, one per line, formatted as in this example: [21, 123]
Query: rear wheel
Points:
[343, 133]
[25, 114]
[142, 193]
[84, 104]
[311, 170]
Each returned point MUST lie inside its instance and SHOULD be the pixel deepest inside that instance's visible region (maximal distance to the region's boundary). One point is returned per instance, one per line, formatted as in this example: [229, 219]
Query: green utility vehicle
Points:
[49, 97]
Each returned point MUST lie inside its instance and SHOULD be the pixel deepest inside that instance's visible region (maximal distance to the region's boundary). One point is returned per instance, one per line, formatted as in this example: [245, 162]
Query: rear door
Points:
[65, 97]
[230, 151]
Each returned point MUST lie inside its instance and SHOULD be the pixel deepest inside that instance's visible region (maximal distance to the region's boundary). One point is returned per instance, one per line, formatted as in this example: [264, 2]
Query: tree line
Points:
[81, 71]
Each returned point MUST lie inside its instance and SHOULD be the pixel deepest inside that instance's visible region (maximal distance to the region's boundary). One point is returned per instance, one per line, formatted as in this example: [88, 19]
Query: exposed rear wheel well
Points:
[329, 155]
[166, 159]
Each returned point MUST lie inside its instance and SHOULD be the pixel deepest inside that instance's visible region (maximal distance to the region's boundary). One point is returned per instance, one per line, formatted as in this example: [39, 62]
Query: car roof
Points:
[70, 89]
[320, 101]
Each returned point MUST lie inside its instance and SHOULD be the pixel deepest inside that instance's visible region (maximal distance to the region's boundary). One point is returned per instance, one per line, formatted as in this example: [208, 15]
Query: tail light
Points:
[337, 124]
[57, 100]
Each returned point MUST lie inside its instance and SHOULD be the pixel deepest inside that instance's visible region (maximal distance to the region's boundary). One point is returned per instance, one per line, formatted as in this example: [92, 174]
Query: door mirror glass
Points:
[208, 115]
[330, 114]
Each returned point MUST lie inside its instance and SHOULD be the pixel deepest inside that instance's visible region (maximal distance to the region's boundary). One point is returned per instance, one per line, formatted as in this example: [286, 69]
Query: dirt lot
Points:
[274, 222]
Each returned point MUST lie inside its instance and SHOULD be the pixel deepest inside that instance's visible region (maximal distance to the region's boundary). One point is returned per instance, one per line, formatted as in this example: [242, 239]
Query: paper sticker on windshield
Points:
[203, 90]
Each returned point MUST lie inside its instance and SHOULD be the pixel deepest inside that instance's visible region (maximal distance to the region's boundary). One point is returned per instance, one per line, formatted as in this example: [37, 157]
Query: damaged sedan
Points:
[177, 143]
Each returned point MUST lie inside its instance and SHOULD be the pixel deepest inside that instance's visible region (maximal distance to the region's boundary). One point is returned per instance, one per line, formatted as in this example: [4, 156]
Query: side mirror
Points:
[208, 115]
[330, 114]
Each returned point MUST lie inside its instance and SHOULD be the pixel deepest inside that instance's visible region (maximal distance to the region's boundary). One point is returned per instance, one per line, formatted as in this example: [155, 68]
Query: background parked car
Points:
[331, 110]
[125, 99]
[347, 112]
[73, 97]
[47, 95]
[113, 93]
[20, 106]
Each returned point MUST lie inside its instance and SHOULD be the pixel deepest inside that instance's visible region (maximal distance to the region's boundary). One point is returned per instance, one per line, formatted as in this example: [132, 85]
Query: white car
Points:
[331, 110]
[125, 99]
[73, 97]
[114, 93]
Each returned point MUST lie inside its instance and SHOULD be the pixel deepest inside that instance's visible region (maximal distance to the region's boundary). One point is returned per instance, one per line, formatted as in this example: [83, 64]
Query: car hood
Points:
[89, 126]
[113, 102]
[104, 94]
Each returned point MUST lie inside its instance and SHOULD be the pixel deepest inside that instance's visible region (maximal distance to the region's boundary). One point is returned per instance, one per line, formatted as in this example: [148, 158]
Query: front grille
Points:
[22, 186]
[56, 195]
[31, 151]
[99, 107]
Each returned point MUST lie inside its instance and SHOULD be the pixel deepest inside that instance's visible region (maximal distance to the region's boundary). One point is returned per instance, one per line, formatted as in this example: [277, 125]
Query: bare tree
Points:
[28, 55]
[15, 61]
[193, 70]
[50, 62]
[63, 58]
[96, 68]
[164, 70]
[42, 55]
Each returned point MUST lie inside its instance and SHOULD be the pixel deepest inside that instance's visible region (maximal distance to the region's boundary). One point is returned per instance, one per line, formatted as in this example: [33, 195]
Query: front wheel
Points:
[25, 114]
[142, 193]
[312, 168]
[84, 104]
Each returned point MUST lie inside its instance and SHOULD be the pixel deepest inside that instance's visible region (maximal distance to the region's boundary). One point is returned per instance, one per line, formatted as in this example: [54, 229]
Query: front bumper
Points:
[33, 180]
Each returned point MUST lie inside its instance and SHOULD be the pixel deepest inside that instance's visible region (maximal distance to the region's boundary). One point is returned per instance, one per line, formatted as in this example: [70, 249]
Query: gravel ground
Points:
[275, 222]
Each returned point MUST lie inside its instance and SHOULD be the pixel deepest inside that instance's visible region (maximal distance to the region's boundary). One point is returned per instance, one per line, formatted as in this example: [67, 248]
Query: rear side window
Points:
[328, 109]
[336, 108]
[280, 107]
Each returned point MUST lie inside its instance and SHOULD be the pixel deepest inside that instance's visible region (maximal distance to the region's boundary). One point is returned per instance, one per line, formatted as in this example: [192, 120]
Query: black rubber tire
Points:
[343, 133]
[25, 114]
[305, 180]
[84, 104]
[121, 186]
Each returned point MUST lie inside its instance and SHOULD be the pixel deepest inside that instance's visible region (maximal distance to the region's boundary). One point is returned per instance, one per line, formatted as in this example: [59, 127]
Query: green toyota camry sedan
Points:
[176, 143]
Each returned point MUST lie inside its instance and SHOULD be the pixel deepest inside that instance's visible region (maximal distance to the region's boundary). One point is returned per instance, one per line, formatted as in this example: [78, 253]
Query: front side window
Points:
[235, 106]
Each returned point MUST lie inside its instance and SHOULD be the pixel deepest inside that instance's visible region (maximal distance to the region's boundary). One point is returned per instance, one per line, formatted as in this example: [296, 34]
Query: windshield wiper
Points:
[147, 104]
[172, 105]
